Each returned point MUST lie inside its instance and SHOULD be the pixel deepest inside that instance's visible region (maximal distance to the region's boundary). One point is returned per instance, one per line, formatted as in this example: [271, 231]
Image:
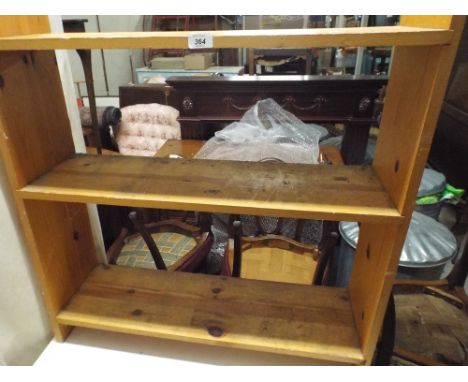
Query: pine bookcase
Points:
[52, 184]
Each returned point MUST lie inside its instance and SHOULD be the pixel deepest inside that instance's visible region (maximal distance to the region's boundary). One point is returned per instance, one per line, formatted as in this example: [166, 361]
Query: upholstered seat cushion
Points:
[171, 245]
[132, 143]
[145, 128]
[150, 113]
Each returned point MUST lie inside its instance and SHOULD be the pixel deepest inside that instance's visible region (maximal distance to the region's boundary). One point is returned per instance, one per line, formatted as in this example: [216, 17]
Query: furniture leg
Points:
[158, 260]
[251, 56]
[236, 267]
[191, 129]
[353, 148]
[85, 56]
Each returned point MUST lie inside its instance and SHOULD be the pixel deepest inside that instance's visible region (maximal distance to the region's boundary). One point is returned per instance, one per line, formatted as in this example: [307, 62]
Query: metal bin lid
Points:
[428, 242]
[432, 182]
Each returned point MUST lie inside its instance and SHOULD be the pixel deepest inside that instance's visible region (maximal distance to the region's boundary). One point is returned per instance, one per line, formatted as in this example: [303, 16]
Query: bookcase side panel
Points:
[34, 137]
[417, 84]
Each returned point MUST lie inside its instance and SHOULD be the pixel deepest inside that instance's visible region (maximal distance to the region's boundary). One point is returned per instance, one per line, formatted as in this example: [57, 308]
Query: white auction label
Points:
[200, 41]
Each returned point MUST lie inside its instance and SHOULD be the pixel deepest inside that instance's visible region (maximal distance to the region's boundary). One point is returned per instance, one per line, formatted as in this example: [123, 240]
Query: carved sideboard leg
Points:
[353, 148]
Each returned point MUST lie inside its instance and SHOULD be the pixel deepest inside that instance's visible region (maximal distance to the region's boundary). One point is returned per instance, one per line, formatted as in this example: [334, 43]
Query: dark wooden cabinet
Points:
[206, 101]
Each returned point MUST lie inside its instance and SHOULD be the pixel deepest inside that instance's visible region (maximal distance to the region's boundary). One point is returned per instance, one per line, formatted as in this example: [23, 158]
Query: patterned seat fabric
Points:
[172, 247]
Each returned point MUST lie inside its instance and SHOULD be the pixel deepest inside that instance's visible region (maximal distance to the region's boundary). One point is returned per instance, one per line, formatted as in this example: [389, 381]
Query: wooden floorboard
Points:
[431, 331]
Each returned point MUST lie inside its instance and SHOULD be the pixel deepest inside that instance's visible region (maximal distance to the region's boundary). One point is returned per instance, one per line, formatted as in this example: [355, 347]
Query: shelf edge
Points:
[290, 38]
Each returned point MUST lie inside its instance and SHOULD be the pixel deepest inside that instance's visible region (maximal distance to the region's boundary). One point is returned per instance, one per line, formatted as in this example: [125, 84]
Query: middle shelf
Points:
[252, 188]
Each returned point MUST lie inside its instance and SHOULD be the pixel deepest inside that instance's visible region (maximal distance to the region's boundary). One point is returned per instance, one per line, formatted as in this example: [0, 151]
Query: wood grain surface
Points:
[299, 320]
[187, 148]
[264, 189]
[274, 38]
[35, 136]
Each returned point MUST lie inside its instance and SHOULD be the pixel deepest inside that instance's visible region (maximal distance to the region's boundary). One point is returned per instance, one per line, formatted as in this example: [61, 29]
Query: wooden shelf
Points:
[289, 38]
[299, 320]
[274, 189]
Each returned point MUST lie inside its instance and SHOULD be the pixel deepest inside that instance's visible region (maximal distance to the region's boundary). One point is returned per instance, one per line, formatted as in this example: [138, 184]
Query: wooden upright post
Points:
[417, 84]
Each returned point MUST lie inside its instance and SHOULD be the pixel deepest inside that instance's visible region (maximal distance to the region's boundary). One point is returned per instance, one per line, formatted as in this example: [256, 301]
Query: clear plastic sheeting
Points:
[266, 131]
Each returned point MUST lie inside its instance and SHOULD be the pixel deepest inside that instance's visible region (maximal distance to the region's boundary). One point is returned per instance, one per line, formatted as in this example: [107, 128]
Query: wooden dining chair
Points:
[171, 245]
[274, 257]
[428, 323]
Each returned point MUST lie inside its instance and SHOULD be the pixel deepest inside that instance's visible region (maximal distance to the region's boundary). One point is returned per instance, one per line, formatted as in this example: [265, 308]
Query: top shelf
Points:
[286, 38]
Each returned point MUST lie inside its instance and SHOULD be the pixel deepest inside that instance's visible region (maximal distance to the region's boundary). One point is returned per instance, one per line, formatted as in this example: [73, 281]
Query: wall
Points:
[117, 61]
[24, 330]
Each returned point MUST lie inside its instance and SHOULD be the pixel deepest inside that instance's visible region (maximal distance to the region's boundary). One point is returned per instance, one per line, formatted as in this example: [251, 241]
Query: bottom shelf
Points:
[314, 322]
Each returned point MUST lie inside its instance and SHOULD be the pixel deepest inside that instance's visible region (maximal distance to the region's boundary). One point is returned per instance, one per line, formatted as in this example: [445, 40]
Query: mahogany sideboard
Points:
[204, 102]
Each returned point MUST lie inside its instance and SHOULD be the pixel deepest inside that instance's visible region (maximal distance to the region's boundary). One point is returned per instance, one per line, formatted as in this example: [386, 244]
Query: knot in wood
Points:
[215, 331]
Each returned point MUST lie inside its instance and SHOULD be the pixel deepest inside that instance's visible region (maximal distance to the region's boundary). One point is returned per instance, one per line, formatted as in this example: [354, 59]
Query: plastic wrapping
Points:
[265, 131]
[324, 133]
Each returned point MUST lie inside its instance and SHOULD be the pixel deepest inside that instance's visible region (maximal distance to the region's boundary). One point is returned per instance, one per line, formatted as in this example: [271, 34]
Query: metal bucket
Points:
[429, 246]
[432, 182]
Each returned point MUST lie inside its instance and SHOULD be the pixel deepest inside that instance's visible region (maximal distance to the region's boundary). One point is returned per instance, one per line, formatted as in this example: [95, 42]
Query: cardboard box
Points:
[283, 22]
[167, 63]
[280, 22]
[199, 60]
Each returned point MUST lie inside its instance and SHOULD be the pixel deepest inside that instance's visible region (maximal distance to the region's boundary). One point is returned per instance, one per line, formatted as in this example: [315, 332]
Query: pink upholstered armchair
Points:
[145, 128]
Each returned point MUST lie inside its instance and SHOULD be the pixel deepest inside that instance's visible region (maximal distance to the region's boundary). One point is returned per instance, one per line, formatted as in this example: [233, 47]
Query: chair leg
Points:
[158, 260]
[299, 229]
[236, 266]
[326, 248]
[230, 226]
[204, 221]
